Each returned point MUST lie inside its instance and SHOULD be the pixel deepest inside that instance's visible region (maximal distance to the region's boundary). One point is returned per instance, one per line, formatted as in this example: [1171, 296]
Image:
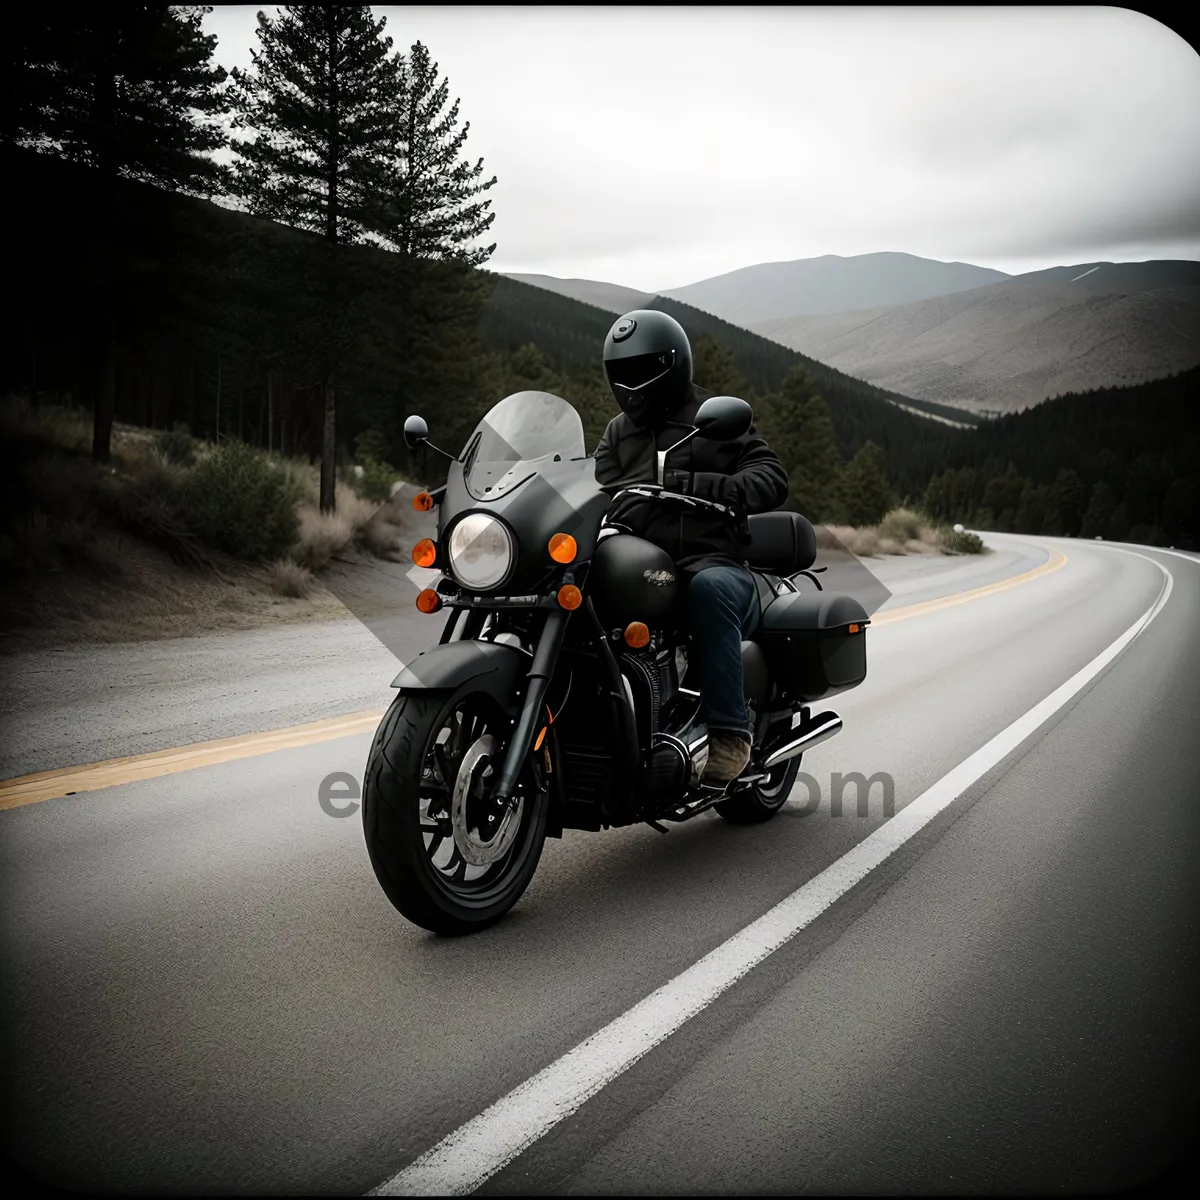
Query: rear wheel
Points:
[760, 801]
[448, 858]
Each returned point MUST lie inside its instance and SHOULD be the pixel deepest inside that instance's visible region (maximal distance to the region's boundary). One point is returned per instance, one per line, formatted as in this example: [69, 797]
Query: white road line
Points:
[463, 1160]
[1085, 273]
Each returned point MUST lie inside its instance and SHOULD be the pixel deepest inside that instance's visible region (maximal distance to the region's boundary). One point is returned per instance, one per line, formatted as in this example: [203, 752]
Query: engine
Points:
[671, 737]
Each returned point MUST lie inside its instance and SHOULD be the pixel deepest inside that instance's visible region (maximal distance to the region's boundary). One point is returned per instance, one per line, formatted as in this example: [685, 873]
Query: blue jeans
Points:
[722, 608]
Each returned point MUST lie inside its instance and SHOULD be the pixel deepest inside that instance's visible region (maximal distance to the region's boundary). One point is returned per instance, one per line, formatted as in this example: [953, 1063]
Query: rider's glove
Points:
[678, 481]
[711, 485]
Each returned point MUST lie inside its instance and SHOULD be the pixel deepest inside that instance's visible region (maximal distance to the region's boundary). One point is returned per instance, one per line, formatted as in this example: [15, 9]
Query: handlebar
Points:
[654, 491]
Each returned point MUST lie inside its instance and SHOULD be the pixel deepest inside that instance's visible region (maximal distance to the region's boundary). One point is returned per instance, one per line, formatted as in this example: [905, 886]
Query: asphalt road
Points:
[205, 990]
[68, 705]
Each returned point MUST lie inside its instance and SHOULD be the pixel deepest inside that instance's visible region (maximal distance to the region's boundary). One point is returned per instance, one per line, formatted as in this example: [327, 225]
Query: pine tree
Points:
[29, 69]
[131, 91]
[429, 196]
[714, 367]
[1068, 496]
[317, 102]
[1031, 509]
[936, 504]
[865, 488]
[1099, 511]
[798, 427]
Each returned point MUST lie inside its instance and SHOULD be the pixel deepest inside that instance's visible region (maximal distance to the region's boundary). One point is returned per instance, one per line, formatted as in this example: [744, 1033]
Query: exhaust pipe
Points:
[820, 729]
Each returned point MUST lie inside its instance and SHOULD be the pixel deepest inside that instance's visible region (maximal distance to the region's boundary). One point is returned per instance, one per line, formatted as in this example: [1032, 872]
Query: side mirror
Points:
[416, 432]
[723, 418]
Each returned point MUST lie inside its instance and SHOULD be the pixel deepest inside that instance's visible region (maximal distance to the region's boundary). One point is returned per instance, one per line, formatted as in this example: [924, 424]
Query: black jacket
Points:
[743, 474]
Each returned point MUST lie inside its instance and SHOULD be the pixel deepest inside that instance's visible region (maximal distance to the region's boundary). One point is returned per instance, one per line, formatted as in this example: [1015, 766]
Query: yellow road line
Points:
[1056, 560]
[67, 781]
[47, 785]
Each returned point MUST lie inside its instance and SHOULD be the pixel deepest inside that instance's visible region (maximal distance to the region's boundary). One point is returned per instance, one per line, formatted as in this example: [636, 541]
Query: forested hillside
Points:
[1120, 463]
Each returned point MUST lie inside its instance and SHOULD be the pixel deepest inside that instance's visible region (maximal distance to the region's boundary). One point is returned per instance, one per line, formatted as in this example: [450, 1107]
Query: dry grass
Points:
[321, 536]
[902, 531]
[153, 598]
[382, 538]
[91, 553]
[48, 427]
[289, 578]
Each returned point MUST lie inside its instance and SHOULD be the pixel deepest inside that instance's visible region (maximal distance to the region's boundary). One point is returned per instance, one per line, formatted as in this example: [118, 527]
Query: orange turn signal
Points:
[569, 597]
[636, 635]
[424, 553]
[422, 502]
[563, 548]
[429, 601]
[855, 628]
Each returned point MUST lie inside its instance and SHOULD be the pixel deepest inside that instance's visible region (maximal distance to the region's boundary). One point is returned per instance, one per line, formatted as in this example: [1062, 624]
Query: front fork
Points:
[545, 659]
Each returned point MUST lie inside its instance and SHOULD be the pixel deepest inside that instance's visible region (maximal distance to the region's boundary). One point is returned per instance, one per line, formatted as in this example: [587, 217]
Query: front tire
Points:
[410, 815]
[758, 802]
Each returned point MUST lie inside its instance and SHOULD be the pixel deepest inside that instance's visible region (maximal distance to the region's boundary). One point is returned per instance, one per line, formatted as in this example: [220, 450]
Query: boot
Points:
[728, 755]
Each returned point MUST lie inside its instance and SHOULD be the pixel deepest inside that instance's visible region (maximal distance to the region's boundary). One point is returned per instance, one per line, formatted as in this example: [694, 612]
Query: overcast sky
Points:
[653, 147]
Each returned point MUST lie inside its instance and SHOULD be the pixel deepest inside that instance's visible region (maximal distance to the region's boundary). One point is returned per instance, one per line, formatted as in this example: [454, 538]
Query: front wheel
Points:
[760, 801]
[444, 854]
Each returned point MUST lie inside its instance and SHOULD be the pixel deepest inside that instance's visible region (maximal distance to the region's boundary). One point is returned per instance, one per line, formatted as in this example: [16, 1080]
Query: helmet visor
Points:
[639, 372]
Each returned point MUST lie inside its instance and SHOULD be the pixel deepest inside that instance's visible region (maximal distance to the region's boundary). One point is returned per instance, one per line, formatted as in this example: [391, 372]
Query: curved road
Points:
[205, 990]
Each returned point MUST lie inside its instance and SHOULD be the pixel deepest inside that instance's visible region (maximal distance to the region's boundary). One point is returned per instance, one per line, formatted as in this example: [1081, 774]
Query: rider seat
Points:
[781, 543]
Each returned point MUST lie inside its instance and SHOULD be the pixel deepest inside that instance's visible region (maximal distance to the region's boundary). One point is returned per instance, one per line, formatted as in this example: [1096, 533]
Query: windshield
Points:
[517, 436]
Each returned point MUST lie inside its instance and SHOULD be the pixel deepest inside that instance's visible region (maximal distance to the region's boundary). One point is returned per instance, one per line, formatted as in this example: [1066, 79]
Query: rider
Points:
[648, 364]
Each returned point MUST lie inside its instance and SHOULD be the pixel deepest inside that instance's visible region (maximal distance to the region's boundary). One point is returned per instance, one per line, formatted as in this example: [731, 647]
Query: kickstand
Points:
[656, 825]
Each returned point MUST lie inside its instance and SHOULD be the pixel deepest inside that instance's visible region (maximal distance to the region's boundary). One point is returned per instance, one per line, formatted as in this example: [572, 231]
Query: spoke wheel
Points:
[447, 856]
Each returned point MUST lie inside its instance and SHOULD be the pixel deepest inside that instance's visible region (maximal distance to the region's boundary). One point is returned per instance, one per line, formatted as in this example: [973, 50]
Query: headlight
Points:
[481, 551]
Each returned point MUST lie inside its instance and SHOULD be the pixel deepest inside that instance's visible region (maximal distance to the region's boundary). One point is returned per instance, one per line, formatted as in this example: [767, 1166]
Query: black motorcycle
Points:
[557, 696]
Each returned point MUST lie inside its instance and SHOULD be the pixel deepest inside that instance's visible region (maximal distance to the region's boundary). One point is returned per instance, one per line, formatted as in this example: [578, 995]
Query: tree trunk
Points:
[105, 403]
[103, 109]
[328, 450]
[191, 401]
[270, 411]
[217, 425]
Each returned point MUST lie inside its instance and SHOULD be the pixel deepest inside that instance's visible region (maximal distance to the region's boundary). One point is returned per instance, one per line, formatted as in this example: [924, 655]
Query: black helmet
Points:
[648, 364]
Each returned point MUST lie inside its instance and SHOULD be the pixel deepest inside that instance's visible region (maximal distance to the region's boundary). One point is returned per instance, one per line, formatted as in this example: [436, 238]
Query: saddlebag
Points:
[816, 645]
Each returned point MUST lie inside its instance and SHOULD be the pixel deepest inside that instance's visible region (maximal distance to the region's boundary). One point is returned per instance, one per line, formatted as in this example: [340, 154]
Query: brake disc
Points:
[471, 783]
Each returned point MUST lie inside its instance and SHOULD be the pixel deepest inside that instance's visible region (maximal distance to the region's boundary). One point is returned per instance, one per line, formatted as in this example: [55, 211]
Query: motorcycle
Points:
[557, 696]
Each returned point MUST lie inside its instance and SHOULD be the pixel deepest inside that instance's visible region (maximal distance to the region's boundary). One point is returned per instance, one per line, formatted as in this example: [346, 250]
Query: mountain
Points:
[1010, 345]
[570, 334]
[1120, 277]
[611, 297]
[828, 284]
[808, 285]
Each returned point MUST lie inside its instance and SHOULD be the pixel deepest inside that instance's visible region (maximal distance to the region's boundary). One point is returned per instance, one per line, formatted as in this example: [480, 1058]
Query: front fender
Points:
[496, 667]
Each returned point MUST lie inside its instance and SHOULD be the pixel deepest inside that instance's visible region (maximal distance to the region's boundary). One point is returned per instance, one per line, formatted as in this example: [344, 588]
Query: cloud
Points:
[655, 146]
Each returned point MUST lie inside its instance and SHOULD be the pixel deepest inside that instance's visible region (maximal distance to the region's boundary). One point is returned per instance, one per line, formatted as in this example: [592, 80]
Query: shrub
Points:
[239, 501]
[176, 445]
[950, 542]
[321, 536]
[901, 525]
[376, 481]
[289, 578]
